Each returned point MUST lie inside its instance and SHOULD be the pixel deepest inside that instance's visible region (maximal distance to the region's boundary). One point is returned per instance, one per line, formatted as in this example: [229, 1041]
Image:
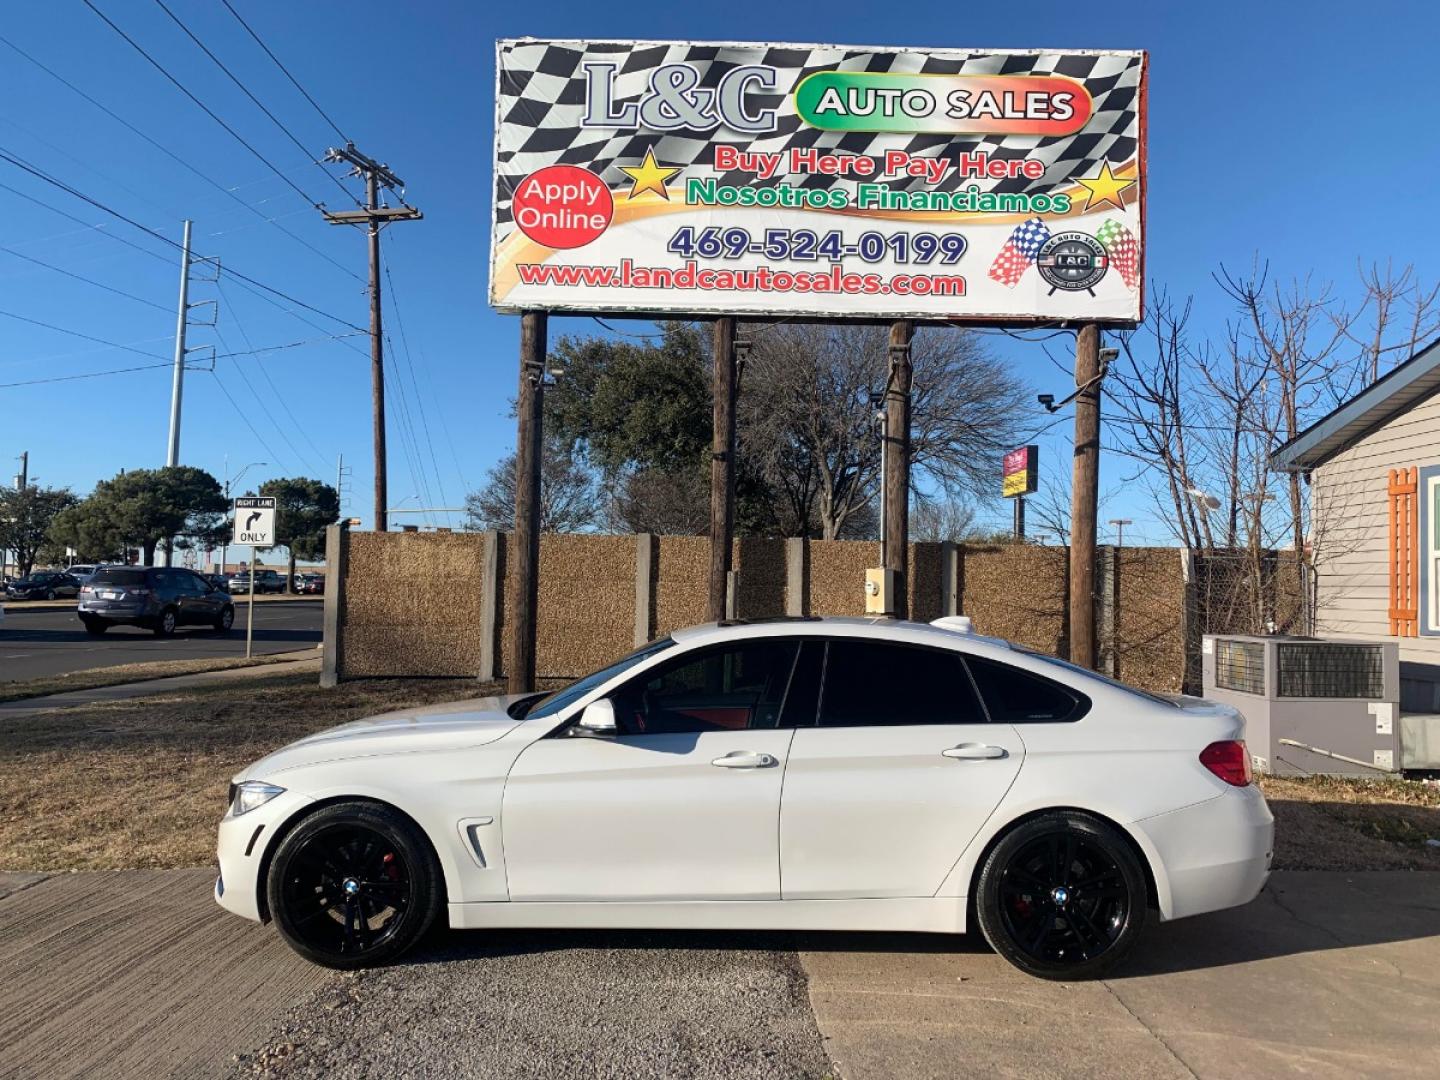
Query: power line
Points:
[205, 108]
[86, 375]
[415, 384]
[78, 334]
[41, 174]
[258, 103]
[236, 406]
[87, 281]
[71, 217]
[265, 408]
[293, 81]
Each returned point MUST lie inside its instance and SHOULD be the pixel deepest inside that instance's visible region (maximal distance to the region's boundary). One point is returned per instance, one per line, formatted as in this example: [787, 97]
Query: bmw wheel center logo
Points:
[1072, 262]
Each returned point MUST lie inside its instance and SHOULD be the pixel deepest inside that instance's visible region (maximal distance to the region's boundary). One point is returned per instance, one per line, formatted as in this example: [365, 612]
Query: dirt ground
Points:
[141, 783]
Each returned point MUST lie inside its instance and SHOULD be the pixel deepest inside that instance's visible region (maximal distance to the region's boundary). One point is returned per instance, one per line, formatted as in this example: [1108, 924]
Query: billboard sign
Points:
[1020, 472]
[818, 180]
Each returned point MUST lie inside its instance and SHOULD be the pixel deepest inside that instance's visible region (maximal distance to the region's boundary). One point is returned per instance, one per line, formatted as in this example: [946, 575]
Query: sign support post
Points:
[896, 526]
[1019, 517]
[1085, 496]
[525, 559]
[250, 615]
[722, 465]
[253, 524]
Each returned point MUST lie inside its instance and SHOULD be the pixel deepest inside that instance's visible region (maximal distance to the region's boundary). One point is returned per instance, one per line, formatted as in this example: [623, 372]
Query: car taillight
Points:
[1229, 760]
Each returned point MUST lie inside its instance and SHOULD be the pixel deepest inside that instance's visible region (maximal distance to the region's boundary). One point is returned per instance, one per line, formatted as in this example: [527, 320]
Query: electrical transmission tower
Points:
[373, 216]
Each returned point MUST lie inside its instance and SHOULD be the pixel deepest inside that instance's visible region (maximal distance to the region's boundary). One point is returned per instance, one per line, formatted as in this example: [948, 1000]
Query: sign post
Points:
[1020, 476]
[254, 525]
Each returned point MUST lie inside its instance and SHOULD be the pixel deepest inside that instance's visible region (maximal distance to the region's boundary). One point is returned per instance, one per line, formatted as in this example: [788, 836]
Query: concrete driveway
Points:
[138, 973]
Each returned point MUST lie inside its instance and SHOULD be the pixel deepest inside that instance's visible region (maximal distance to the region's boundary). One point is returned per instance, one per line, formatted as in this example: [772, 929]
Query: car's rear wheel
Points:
[50, 594]
[226, 619]
[1062, 896]
[95, 627]
[354, 884]
[165, 625]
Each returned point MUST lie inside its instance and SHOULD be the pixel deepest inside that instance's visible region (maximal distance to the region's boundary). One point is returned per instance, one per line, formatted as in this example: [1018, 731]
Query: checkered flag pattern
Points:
[1124, 250]
[542, 98]
[1019, 252]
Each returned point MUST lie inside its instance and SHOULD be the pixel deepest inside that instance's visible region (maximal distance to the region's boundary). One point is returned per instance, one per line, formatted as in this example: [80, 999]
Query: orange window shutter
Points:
[1404, 547]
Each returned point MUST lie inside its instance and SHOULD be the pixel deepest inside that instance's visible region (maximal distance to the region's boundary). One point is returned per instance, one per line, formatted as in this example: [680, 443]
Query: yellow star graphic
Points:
[1104, 188]
[649, 175]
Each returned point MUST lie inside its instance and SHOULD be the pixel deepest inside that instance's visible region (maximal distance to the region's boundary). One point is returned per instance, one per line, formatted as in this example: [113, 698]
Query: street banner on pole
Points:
[819, 180]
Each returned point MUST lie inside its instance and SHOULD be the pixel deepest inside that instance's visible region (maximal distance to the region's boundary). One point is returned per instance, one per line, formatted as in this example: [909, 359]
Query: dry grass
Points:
[141, 783]
[1328, 823]
[119, 674]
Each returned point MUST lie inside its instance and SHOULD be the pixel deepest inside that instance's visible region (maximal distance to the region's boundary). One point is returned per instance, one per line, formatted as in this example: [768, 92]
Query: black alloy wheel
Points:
[353, 885]
[1062, 897]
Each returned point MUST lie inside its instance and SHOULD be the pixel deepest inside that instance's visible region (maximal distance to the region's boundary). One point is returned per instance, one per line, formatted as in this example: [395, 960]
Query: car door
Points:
[887, 789]
[683, 803]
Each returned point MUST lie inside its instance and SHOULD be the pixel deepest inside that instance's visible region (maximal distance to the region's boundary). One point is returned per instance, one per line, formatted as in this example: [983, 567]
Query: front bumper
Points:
[1215, 854]
[243, 843]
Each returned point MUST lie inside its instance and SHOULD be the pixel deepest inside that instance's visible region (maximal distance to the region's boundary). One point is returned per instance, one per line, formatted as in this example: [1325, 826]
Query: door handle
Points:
[975, 752]
[744, 759]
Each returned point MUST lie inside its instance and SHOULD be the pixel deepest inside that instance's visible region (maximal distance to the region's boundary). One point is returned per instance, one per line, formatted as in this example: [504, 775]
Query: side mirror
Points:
[597, 721]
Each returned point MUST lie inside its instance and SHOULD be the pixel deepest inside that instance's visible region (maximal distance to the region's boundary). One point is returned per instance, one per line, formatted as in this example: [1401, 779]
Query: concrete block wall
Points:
[428, 604]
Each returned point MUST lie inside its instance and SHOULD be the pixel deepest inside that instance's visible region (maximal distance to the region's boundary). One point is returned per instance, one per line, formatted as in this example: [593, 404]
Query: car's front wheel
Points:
[226, 619]
[354, 884]
[1062, 896]
[50, 594]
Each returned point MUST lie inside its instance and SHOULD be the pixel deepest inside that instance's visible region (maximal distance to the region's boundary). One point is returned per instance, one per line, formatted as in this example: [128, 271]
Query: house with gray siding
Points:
[1373, 467]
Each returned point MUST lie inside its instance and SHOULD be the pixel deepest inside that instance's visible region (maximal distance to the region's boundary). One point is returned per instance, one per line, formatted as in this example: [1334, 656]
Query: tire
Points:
[352, 865]
[165, 625]
[95, 627]
[50, 594]
[1062, 896]
[226, 619]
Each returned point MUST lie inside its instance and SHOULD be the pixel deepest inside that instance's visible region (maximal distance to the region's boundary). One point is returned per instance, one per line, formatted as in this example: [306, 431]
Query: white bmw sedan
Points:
[817, 774]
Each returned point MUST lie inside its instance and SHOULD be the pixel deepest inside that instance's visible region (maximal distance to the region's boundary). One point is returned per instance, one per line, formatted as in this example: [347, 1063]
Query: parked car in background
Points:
[81, 571]
[44, 585]
[220, 581]
[817, 774]
[310, 583]
[158, 598]
[266, 581]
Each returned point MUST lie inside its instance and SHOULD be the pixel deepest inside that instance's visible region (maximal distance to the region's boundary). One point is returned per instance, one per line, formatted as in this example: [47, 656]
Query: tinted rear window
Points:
[119, 576]
[1014, 696]
[877, 684]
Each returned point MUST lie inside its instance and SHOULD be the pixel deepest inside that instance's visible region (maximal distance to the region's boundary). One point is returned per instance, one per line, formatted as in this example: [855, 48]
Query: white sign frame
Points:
[260, 532]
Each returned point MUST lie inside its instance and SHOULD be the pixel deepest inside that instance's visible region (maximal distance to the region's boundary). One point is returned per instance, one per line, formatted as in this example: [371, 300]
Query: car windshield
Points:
[1076, 669]
[554, 702]
[118, 576]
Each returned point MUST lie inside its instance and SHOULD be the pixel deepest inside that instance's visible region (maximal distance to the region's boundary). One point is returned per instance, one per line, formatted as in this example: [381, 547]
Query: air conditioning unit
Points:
[1311, 705]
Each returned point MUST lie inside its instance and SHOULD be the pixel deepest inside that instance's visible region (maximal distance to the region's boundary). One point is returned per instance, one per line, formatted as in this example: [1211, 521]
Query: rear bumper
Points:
[1215, 854]
[116, 613]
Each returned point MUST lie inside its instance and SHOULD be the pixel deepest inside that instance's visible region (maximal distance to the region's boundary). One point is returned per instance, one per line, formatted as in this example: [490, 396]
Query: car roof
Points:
[873, 628]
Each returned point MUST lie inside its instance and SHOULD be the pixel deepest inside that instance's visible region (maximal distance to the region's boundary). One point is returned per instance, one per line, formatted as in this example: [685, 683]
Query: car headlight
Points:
[251, 794]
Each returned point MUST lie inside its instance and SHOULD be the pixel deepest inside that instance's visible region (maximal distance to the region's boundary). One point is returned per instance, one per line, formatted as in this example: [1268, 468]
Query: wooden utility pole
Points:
[524, 558]
[722, 466]
[896, 525]
[374, 216]
[1085, 496]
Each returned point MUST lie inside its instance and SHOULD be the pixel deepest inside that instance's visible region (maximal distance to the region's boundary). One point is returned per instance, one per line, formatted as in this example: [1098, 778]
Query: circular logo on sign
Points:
[562, 206]
[1073, 261]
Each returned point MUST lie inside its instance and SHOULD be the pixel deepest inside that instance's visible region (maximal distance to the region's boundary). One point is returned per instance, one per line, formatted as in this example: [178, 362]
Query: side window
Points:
[1014, 696]
[193, 584]
[730, 688]
[884, 684]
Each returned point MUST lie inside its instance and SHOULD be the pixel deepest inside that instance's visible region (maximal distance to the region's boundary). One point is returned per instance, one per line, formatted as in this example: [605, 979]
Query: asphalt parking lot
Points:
[125, 973]
[50, 641]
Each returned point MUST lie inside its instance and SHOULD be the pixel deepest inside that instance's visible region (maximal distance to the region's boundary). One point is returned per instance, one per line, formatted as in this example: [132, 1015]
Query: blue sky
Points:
[1300, 131]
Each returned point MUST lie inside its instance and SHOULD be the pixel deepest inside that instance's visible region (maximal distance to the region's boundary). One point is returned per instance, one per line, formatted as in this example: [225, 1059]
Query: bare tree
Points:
[941, 519]
[808, 424]
[568, 497]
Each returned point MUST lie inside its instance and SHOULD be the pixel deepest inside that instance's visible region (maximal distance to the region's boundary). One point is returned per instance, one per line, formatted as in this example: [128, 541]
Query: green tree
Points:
[26, 515]
[303, 508]
[143, 508]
